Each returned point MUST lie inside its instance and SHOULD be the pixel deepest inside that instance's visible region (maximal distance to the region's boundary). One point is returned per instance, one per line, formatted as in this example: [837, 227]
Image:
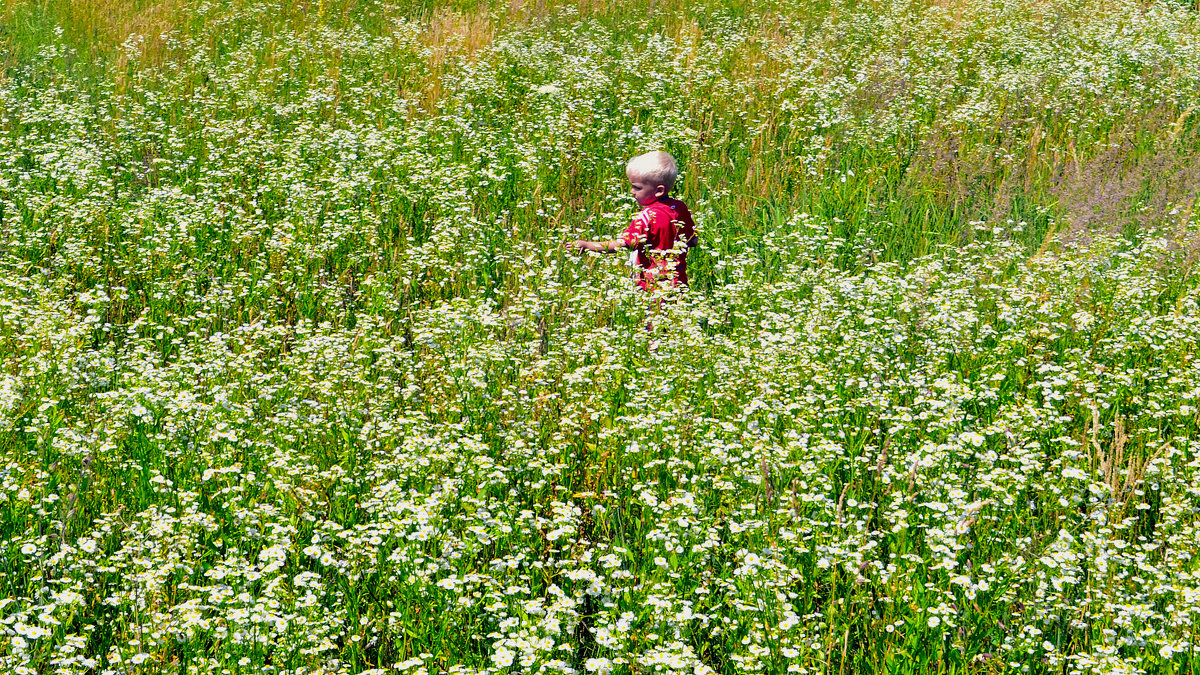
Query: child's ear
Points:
[660, 191]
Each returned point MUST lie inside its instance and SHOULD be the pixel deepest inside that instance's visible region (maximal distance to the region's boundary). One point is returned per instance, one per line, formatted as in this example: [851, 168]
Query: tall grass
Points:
[298, 377]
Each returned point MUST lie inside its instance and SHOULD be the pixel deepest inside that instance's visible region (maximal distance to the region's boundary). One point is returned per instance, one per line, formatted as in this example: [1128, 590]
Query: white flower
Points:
[503, 658]
[598, 666]
[68, 597]
[33, 632]
[1074, 472]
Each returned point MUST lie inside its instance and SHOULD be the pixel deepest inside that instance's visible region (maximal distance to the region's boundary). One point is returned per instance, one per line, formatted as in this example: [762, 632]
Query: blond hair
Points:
[657, 167]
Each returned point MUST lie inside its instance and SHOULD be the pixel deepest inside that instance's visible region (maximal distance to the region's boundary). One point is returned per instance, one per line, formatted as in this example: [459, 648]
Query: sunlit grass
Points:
[297, 376]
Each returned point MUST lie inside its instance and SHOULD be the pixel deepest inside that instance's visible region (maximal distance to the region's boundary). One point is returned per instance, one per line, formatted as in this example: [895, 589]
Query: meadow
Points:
[297, 376]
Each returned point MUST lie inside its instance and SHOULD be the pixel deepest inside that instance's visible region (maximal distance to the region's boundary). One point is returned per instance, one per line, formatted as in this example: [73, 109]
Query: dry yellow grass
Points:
[449, 33]
[107, 24]
[1122, 472]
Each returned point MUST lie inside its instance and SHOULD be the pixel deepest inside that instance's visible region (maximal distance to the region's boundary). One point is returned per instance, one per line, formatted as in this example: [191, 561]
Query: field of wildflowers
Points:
[297, 377]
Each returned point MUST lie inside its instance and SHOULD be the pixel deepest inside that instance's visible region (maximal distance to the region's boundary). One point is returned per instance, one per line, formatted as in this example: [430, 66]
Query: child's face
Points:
[645, 191]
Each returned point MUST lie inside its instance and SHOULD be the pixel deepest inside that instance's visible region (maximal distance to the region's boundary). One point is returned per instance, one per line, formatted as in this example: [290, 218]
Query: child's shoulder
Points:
[665, 204]
[675, 204]
[663, 211]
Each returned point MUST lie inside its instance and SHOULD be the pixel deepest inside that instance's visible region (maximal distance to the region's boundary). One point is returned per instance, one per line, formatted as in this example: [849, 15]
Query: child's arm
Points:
[633, 237]
[610, 246]
[688, 231]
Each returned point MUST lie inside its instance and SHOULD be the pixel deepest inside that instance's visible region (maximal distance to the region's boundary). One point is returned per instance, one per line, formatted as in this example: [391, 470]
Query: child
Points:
[662, 233]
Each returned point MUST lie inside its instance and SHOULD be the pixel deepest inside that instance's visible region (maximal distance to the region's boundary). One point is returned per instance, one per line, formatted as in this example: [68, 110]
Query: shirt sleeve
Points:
[635, 235]
[687, 228]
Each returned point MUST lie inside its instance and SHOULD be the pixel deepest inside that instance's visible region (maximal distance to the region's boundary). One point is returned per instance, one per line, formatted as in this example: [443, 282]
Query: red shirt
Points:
[662, 233]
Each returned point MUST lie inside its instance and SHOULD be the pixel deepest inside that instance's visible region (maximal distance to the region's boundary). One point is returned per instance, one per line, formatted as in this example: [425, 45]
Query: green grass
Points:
[296, 374]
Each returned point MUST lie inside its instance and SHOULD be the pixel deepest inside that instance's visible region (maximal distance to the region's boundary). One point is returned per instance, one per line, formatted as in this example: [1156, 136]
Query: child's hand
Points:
[577, 246]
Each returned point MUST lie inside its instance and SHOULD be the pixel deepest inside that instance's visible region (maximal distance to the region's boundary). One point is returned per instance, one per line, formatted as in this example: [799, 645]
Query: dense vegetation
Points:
[296, 375]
